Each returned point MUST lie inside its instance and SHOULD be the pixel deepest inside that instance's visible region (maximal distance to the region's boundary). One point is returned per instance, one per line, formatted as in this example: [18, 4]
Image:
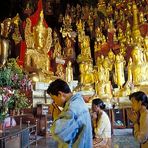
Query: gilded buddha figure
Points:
[38, 45]
[85, 54]
[4, 41]
[104, 88]
[69, 72]
[119, 76]
[86, 76]
[139, 67]
[146, 48]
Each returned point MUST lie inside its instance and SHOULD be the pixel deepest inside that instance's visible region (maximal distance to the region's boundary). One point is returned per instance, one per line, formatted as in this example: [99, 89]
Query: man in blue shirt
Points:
[72, 128]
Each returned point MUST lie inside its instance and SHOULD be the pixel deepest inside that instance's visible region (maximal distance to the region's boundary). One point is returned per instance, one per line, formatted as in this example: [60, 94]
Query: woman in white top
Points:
[101, 125]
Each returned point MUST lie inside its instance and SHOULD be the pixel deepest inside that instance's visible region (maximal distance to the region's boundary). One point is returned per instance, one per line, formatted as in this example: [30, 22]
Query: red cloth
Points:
[34, 20]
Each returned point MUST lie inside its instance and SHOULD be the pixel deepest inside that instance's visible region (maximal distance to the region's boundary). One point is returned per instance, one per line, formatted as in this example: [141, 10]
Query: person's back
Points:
[72, 127]
[77, 110]
[105, 121]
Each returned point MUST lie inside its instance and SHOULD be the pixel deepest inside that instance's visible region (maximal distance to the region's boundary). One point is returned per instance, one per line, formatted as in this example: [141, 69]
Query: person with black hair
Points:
[139, 116]
[101, 125]
[72, 127]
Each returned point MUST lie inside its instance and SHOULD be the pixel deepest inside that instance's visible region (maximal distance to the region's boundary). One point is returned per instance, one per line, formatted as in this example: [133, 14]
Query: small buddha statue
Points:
[86, 76]
[141, 18]
[101, 6]
[111, 58]
[57, 50]
[60, 71]
[104, 88]
[121, 36]
[119, 76]
[38, 44]
[69, 51]
[85, 54]
[16, 35]
[128, 32]
[69, 72]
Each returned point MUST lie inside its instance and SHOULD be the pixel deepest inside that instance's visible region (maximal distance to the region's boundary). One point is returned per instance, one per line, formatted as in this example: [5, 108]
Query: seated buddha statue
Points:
[38, 44]
[86, 76]
[69, 50]
[85, 54]
[104, 88]
[139, 67]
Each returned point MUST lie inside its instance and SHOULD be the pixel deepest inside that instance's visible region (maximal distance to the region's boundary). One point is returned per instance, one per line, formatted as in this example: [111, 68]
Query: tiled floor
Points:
[121, 138]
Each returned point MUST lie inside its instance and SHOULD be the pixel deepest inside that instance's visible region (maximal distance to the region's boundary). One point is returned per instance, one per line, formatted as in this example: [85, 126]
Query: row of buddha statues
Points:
[112, 52]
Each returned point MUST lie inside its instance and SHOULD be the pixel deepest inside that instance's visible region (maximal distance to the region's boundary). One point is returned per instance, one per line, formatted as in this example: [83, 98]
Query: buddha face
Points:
[111, 55]
[136, 55]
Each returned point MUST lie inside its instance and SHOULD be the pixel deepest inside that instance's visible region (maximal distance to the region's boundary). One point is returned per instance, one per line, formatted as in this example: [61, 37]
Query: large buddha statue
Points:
[38, 44]
[139, 67]
[4, 41]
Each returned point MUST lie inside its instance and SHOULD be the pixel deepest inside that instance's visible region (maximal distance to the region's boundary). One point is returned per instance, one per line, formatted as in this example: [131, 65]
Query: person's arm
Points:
[65, 127]
[141, 129]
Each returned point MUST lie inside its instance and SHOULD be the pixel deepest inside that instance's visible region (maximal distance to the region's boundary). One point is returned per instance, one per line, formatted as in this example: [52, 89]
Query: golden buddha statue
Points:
[135, 29]
[119, 76]
[111, 59]
[60, 71]
[69, 72]
[146, 48]
[141, 18]
[98, 34]
[139, 67]
[57, 50]
[102, 6]
[38, 45]
[128, 33]
[69, 51]
[121, 36]
[4, 41]
[16, 35]
[111, 27]
[97, 46]
[85, 54]
[86, 76]
[103, 87]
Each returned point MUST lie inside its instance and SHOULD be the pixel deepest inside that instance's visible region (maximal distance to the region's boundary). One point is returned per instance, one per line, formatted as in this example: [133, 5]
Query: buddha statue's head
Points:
[6, 27]
[137, 55]
[69, 64]
[111, 55]
[68, 42]
[40, 33]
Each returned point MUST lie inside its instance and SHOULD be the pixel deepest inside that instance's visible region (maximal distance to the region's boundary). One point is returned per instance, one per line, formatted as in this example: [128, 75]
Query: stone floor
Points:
[121, 138]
